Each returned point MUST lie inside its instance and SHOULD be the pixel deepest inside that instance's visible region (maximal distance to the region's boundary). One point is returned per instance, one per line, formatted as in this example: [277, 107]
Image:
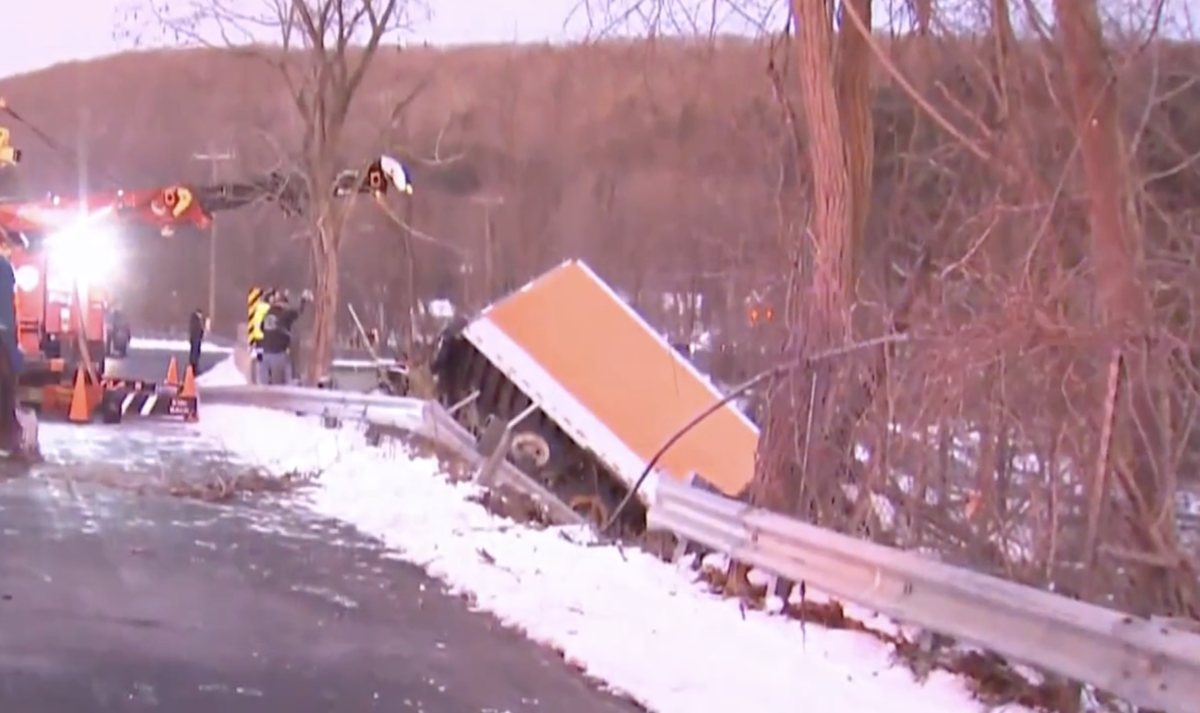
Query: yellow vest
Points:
[256, 320]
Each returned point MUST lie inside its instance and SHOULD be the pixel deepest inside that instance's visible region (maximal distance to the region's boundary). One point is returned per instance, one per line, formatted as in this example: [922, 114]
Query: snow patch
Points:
[278, 442]
[638, 624]
[174, 345]
[223, 373]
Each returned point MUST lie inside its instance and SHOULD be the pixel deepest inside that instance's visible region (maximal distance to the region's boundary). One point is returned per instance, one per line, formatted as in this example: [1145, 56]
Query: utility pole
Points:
[215, 158]
[489, 267]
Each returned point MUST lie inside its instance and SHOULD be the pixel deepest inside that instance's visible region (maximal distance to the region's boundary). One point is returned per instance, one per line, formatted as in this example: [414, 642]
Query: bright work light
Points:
[82, 256]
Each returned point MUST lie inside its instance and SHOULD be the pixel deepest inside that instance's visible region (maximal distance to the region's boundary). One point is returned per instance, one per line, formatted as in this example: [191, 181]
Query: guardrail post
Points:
[780, 587]
[680, 551]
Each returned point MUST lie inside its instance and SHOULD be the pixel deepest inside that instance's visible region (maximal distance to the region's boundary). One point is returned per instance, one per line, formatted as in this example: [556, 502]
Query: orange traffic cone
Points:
[80, 411]
[173, 373]
[189, 392]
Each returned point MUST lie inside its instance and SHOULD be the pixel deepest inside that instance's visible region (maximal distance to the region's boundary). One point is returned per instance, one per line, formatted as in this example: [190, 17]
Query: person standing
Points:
[195, 340]
[275, 366]
[257, 315]
[11, 359]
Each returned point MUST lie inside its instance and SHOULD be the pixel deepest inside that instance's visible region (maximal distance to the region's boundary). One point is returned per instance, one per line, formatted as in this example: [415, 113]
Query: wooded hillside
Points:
[593, 151]
[658, 162]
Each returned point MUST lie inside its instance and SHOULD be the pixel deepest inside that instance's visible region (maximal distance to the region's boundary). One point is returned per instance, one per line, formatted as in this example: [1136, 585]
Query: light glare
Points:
[27, 278]
[81, 257]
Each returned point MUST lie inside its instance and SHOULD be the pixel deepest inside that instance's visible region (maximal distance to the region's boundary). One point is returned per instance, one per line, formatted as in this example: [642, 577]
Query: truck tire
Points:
[537, 451]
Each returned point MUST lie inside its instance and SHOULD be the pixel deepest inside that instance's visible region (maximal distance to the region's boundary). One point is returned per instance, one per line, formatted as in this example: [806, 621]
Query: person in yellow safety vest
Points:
[257, 315]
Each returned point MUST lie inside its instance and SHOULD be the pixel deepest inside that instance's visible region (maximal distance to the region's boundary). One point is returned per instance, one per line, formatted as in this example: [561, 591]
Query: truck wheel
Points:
[542, 454]
[531, 449]
[582, 491]
[591, 508]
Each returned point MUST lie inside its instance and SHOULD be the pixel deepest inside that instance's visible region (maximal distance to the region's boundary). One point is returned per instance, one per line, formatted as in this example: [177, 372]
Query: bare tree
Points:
[804, 430]
[1137, 448]
[322, 51]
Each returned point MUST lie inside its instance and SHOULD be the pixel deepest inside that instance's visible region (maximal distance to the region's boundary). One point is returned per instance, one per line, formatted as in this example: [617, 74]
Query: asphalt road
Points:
[115, 597]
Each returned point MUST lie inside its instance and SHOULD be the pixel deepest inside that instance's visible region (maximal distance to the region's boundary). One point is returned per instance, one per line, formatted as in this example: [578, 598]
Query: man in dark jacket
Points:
[118, 334]
[195, 340]
[11, 361]
[275, 366]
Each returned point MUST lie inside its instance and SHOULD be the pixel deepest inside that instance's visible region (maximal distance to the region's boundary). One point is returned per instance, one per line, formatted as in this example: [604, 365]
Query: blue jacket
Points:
[8, 288]
[8, 313]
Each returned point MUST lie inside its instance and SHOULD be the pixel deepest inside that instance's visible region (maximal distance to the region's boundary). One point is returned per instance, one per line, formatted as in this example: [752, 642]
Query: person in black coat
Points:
[276, 363]
[195, 340]
[10, 360]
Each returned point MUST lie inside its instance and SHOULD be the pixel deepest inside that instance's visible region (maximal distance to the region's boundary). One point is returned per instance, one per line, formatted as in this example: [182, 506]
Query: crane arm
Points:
[196, 204]
[290, 190]
[169, 208]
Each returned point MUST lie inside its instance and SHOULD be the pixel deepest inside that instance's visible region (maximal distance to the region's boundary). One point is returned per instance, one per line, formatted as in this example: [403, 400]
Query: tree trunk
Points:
[325, 299]
[802, 432]
[858, 131]
[1139, 443]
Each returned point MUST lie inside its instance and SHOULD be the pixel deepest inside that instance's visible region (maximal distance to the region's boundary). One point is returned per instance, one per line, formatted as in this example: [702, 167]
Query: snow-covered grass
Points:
[641, 626]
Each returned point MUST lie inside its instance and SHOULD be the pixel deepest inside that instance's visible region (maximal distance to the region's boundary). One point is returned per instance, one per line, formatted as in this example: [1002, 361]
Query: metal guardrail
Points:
[425, 418]
[1147, 663]
[382, 410]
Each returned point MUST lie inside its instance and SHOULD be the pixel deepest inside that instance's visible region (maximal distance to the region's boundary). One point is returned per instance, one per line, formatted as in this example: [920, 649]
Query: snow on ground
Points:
[173, 345]
[638, 624]
[223, 373]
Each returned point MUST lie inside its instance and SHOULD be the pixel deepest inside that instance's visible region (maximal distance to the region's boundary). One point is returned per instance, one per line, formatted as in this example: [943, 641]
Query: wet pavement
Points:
[114, 602]
[115, 598]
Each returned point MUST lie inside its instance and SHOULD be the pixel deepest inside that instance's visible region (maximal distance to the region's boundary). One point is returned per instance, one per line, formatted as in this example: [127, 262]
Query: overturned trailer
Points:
[593, 391]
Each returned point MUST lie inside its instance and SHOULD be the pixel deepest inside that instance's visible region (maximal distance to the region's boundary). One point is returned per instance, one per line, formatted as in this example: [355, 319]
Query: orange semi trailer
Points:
[607, 390]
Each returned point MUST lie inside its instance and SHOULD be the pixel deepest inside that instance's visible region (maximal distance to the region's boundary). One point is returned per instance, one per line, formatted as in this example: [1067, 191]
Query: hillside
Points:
[579, 164]
[665, 164]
